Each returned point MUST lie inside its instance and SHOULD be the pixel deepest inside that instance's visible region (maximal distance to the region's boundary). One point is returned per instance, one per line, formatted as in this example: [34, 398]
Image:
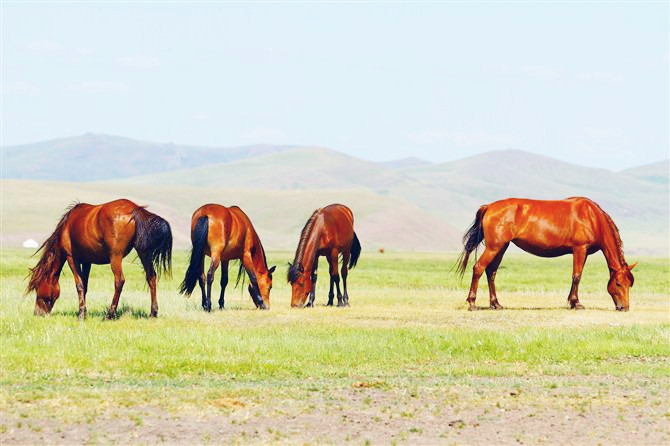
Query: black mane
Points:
[296, 268]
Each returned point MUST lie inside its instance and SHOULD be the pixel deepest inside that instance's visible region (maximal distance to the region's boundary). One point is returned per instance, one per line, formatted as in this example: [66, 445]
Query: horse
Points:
[576, 226]
[101, 234]
[328, 232]
[226, 234]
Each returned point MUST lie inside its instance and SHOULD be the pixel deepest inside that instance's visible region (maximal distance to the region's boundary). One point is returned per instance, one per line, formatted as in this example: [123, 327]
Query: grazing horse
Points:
[101, 234]
[328, 232]
[226, 234]
[547, 229]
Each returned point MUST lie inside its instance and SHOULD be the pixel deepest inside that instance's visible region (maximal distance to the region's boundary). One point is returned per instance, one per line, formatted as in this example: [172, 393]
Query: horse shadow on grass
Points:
[528, 308]
[101, 313]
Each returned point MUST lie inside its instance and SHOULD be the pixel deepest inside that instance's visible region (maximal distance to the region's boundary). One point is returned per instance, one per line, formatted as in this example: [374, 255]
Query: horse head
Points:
[619, 286]
[301, 284]
[264, 281]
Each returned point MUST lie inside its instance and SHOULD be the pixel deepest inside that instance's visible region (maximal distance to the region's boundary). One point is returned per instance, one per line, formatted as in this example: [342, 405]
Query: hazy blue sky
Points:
[583, 82]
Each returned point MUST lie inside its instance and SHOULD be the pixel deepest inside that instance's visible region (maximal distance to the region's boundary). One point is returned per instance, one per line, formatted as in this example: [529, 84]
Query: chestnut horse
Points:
[226, 234]
[329, 232]
[101, 234]
[547, 229]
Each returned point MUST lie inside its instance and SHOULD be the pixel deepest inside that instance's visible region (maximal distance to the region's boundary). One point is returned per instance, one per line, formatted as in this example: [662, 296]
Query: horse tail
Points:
[471, 240]
[355, 251]
[153, 241]
[197, 259]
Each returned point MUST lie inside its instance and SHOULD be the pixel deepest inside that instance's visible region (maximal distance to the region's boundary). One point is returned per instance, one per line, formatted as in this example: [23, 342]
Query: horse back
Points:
[338, 221]
[542, 227]
[227, 227]
[94, 232]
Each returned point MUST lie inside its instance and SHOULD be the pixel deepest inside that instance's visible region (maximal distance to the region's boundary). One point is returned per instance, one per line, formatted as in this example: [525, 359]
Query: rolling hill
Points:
[404, 205]
[654, 173]
[93, 157]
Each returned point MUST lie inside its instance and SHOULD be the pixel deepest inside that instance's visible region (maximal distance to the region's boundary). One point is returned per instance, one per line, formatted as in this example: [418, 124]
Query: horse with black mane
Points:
[576, 226]
[328, 232]
[226, 234]
[101, 234]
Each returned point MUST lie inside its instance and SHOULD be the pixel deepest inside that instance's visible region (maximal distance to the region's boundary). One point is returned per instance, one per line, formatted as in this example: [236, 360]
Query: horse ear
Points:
[272, 270]
[632, 266]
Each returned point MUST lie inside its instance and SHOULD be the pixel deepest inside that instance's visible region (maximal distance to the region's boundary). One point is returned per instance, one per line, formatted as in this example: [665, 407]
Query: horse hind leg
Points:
[345, 273]
[119, 280]
[334, 279]
[487, 257]
[224, 284]
[491, 271]
[150, 275]
[210, 279]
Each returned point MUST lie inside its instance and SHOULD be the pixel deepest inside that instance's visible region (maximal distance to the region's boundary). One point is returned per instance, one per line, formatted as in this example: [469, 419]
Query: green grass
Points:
[407, 324]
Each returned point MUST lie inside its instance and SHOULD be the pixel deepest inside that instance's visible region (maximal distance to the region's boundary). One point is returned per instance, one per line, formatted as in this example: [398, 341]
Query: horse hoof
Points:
[329, 304]
[110, 316]
[577, 306]
[154, 314]
[496, 306]
[472, 308]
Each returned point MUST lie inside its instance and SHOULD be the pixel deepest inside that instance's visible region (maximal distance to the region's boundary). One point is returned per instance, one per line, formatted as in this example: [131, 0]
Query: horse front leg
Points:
[578, 261]
[79, 284]
[115, 262]
[331, 294]
[312, 294]
[477, 271]
[335, 276]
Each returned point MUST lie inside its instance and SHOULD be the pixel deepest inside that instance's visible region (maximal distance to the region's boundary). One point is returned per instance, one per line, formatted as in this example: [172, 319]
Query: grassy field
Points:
[406, 363]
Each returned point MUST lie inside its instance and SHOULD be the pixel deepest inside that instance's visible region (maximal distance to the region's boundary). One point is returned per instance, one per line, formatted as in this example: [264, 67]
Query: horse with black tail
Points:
[101, 234]
[576, 226]
[328, 232]
[226, 234]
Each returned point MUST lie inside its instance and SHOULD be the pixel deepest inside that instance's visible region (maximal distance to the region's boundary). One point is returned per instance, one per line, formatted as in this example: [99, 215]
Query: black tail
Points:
[471, 240]
[355, 251]
[196, 262]
[153, 242]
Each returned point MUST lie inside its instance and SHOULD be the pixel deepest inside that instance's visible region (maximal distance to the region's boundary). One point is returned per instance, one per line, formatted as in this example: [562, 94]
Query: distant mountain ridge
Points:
[409, 204]
[658, 172]
[93, 157]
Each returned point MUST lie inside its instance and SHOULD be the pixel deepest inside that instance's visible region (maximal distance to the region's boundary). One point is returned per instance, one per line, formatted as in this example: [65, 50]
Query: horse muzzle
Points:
[42, 307]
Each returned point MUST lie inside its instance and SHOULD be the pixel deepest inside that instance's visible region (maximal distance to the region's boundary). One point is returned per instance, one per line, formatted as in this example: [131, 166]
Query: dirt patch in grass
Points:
[482, 411]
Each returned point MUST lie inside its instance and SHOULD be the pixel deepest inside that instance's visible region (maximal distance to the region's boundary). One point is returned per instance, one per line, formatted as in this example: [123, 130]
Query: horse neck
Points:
[258, 261]
[48, 269]
[610, 247]
[58, 266]
[308, 255]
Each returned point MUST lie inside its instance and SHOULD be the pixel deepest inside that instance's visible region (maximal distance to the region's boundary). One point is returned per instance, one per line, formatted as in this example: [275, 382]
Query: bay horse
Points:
[328, 232]
[576, 226]
[101, 234]
[226, 234]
